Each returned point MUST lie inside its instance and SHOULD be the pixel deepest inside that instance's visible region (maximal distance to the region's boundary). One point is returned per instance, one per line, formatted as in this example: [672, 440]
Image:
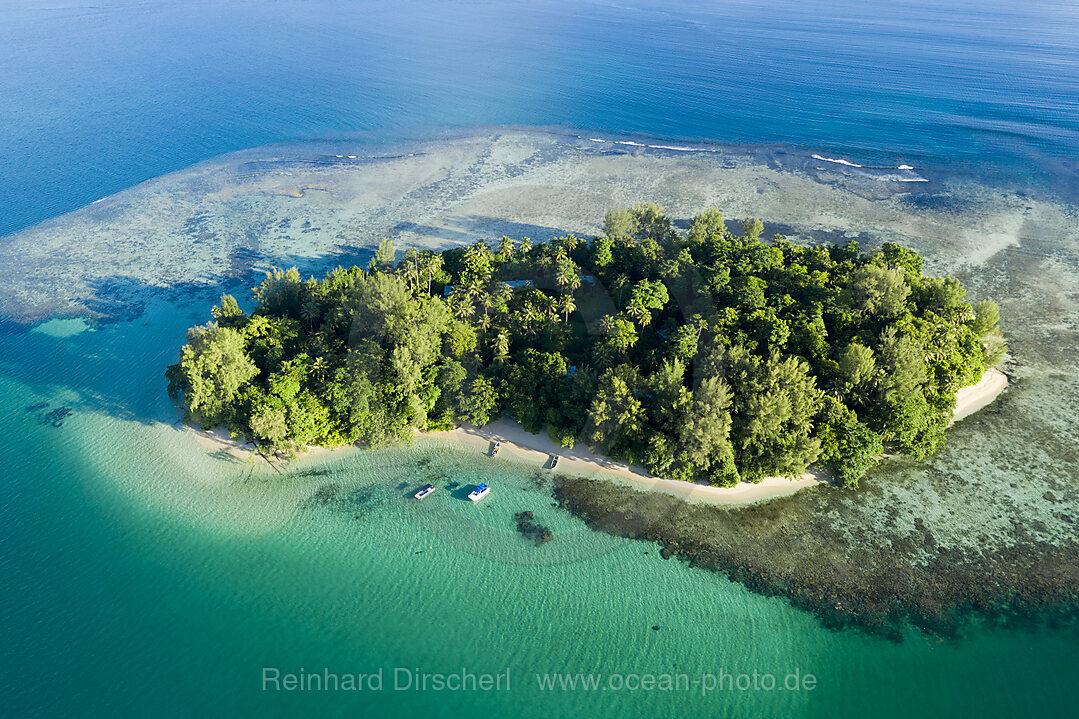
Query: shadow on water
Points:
[467, 229]
[119, 369]
[461, 491]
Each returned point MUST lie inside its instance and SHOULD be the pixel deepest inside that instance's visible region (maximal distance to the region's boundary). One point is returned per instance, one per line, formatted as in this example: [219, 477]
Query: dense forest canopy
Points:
[702, 355]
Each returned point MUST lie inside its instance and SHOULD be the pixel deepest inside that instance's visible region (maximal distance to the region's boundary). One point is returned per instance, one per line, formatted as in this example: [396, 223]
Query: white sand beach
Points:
[218, 440]
[978, 396]
[537, 449]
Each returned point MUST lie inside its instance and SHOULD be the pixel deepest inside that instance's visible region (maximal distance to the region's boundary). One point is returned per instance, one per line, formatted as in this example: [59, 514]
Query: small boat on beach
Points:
[424, 491]
[554, 461]
[498, 446]
[481, 491]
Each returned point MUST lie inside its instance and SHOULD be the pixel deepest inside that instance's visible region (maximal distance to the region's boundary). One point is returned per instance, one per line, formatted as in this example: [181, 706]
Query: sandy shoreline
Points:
[218, 440]
[979, 396]
[536, 449]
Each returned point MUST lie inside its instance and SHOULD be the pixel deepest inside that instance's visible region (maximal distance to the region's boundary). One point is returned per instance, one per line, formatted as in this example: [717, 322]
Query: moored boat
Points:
[481, 491]
[424, 491]
[498, 446]
[554, 461]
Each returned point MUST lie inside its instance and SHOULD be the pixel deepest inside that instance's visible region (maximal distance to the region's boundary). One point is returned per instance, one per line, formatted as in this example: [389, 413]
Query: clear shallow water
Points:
[141, 575]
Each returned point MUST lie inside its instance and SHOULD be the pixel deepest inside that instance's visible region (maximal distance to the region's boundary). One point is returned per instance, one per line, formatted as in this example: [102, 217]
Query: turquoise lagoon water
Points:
[141, 575]
[146, 576]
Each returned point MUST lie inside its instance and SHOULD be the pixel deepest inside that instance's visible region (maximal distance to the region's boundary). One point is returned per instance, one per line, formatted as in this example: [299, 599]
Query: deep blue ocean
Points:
[96, 98]
[142, 575]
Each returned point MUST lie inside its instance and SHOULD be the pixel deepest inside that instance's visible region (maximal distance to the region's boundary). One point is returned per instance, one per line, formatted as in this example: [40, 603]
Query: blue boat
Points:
[481, 491]
[424, 491]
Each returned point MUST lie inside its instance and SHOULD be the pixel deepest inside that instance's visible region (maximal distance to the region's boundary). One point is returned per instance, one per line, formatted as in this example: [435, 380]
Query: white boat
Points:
[498, 446]
[481, 491]
[424, 491]
[554, 461]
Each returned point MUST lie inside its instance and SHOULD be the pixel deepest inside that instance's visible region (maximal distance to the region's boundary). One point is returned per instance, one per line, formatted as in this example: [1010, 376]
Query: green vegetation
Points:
[703, 355]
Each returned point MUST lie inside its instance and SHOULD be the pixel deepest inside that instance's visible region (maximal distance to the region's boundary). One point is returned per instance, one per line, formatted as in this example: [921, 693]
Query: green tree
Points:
[268, 424]
[704, 438]
[773, 432]
[848, 446]
[228, 309]
[651, 223]
[708, 223]
[880, 291]
[906, 259]
[615, 414]
[384, 254]
[752, 228]
[857, 369]
[480, 406]
[619, 335]
[986, 326]
[214, 365]
[620, 224]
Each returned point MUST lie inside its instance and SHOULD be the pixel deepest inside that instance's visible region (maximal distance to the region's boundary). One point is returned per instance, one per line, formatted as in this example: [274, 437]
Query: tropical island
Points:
[703, 355]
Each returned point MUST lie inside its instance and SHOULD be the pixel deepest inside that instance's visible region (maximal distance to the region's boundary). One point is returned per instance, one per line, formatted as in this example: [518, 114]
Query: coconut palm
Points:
[318, 367]
[506, 249]
[566, 305]
[431, 264]
[502, 348]
[463, 307]
[311, 312]
[638, 312]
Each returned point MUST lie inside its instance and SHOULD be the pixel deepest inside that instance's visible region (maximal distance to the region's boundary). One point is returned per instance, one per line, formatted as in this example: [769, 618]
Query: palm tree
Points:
[318, 366]
[463, 308]
[506, 249]
[487, 301]
[432, 263]
[310, 312]
[566, 306]
[550, 306]
[621, 282]
[502, 348]
[639, 312]
[563, 274]
[503, 293]
[566, 276]
[414, 270]
[531, 316]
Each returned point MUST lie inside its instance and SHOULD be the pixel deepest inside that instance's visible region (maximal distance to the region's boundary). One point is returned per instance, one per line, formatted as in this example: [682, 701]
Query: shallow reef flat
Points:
[319, 204]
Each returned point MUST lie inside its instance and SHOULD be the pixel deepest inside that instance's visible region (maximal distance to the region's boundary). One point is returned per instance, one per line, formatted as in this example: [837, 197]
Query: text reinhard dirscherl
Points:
[402, 679]
[464, 680]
